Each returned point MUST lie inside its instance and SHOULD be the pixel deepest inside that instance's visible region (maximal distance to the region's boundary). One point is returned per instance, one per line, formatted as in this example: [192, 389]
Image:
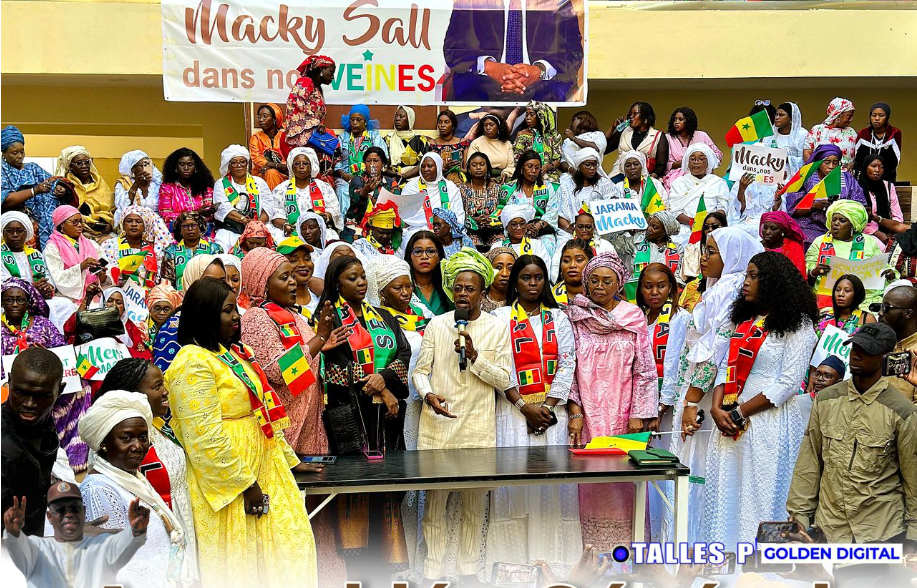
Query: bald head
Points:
[901, 313]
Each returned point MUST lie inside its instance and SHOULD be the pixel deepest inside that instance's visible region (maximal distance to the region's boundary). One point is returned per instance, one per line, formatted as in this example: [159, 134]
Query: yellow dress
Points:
[227, 451]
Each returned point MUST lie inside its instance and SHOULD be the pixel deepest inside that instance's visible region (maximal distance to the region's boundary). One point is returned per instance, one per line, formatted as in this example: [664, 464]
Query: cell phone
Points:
[329, 459]
[615, 568]
[515, 575]
[727, 568]
[267, 504]
[772, 532]
[374, 455]
[896, 364]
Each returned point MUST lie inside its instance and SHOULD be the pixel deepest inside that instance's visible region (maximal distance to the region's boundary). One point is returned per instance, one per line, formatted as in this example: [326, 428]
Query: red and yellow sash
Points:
[266, 405]
[743, 350]
[661, 339]
[373, 346]
[291, 201]
[427, 204]
[253, 206]
[535, 366]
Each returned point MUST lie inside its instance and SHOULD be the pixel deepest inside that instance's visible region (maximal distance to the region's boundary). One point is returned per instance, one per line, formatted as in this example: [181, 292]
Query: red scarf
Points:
[535, 367]
[290, 336]
[743, 350]
[266, 404]
[318, 199]
[661, 338]
[157, 475]
[361, 342]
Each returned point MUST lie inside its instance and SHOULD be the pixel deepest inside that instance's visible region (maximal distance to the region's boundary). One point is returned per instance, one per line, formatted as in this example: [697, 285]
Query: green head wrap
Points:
[852, 210]
[466, 260]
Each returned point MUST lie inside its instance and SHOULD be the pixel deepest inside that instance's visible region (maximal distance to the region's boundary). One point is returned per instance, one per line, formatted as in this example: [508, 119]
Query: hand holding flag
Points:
[828, 187]
[697, 227]
[798, 180]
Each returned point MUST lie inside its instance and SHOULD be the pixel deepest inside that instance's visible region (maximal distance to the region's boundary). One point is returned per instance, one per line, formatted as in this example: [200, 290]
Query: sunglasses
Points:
[61, 511]
[884, 307]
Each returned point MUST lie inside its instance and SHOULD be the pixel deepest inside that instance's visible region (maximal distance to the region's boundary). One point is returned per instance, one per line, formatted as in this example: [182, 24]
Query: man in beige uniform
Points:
[898, 310]
[856, 473]
[459, 406]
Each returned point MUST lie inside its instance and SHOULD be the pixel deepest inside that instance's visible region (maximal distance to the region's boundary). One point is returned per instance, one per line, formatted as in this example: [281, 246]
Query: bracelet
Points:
[324, 339]
[32, 190]
[690, 404]
[520, 404]
[575, 416]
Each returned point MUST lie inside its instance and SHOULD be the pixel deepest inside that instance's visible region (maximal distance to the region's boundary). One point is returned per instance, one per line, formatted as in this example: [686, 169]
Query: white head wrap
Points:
[230, 153]
[321, 225]
[109, 410]
[588, 154]
[66, 156]
[900, 283]
[712, 160]
[796, 119]
[736, 247]
[388, 268]
[397, 148]
[195, 269]
[439, 164]
[231, 260]
[106, 412]
[132, 158]
[639, 156]
[106, 294]
[321, 266]
[310, 155]
[21, 218]
[511, 211]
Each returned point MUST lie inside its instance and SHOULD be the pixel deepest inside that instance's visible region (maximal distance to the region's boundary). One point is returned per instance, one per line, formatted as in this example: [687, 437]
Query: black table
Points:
[458, 469]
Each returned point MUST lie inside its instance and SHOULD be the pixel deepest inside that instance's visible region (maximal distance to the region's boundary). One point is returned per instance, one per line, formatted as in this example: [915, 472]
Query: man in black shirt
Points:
[28, 439]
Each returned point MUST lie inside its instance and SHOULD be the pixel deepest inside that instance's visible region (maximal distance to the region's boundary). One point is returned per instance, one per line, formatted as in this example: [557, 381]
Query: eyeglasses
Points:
[15, 299]
[762, 102]
[706, 251]
[418, 252]
[884, 307]
[61, 511]
[13, 232]
[238, 163]
[81, 162]
[190, 226]
[74, 222]
[516, 224]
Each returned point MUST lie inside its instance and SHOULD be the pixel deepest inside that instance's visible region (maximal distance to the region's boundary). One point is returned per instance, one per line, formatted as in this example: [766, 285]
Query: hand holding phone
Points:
[896, 364]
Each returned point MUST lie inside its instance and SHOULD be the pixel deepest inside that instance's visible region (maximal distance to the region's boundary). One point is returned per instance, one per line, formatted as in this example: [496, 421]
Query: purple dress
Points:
[813, 223]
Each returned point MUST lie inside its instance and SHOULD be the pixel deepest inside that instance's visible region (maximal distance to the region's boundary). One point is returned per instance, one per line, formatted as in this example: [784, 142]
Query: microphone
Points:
[461, 321]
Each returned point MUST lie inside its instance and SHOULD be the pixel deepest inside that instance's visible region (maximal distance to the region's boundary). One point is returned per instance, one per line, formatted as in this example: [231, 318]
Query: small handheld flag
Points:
[799, 178]
[828, 187]
[85, 368]
[295, 370]
[750, 128]
[652, 201]
[697, 227]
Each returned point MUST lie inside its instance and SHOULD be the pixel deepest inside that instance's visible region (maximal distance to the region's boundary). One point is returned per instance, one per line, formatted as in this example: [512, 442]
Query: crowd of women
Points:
[286, 308]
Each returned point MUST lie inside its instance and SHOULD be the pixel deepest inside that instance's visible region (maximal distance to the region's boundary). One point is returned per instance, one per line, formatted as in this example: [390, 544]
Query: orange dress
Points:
[257, 146]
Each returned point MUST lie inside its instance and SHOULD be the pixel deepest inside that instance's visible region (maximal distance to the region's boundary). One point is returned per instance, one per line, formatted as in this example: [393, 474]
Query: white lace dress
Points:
[747, 480]
[173, 457]
[149, 566]
[533, 523]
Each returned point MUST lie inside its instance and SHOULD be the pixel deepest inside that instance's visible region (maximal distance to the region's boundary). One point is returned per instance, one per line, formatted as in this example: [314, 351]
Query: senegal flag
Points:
[130, 263]
[527, 377]
[295, 370]
[750, 128]
[697, 226]
[828, 187]
[652, 202]
[799, 179]
[85, 368]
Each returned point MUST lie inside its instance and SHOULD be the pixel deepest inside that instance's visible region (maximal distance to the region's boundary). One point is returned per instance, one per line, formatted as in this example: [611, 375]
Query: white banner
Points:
[612, 216]
[767, 164]
[831, 343]
[103, 354]
[68, 358]
[417, 52]
[408, 204]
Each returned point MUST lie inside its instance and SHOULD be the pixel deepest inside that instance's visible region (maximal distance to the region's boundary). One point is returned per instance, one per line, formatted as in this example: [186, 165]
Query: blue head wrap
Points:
[371, 125]
[836, 363]
[10, 135]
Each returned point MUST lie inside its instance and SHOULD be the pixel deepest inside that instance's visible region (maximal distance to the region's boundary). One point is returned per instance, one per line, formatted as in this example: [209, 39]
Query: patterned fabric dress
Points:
[41, 205]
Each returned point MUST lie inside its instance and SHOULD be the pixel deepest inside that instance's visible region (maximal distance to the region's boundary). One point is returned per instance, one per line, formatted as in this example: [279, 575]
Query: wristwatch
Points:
[520, 404]
[737, 417]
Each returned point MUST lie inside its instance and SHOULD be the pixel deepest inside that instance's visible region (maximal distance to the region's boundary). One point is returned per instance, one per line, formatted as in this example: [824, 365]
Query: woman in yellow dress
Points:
[230, 423]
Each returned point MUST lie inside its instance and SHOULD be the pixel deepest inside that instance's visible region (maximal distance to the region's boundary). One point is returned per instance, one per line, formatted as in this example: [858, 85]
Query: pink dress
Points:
[306, 434]
[174, 199]
[894, 204]
[615, 381]
[677, 152]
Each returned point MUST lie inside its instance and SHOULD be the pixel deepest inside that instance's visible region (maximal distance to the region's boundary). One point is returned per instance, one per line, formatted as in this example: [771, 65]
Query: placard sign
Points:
[769, 165]
[67, 356]
[612, 216]
[868, 270]
[135, 302]
[831, 343]
[104, 354]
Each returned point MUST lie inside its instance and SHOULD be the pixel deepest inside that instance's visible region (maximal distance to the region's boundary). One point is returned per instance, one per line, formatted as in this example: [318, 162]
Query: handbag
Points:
[325, 142]
[98, 323]
[650, 158]
[231, 225]
[342, 423]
